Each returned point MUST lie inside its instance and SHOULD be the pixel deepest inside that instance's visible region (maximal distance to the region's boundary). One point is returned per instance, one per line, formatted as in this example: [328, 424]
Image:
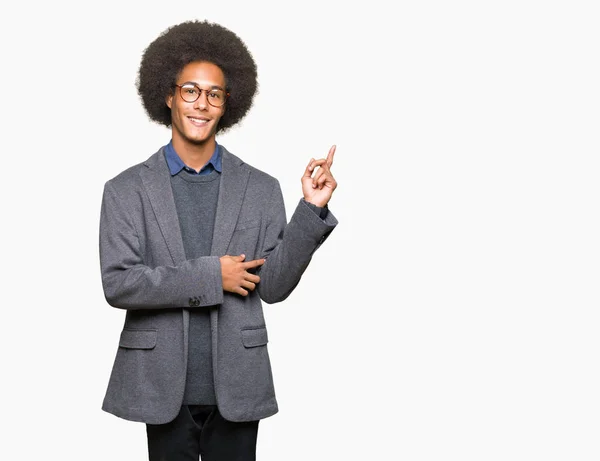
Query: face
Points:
[195, 123]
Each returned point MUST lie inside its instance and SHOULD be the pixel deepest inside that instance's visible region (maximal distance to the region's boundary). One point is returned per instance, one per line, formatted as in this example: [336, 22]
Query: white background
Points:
[453, 314]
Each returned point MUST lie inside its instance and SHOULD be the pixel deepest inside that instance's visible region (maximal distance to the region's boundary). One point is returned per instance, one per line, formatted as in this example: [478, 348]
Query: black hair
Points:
[190, 41]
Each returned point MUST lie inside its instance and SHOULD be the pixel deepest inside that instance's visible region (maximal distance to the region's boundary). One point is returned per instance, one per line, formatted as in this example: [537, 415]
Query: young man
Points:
[191, 240]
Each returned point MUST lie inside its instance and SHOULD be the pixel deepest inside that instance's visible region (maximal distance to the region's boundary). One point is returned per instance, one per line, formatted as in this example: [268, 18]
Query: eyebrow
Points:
[212, 87]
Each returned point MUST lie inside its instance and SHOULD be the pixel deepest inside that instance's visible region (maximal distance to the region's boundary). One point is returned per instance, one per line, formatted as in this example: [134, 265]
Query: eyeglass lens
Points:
[190, 93]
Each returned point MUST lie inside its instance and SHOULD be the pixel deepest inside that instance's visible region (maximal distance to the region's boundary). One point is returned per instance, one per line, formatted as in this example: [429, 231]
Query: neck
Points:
[194, 155]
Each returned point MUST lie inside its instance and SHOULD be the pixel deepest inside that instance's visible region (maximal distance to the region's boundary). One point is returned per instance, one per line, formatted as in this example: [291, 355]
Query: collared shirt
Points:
[176, 164]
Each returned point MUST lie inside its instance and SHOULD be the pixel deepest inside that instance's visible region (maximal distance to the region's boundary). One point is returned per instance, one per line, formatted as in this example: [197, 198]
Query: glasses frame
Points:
[200, 90]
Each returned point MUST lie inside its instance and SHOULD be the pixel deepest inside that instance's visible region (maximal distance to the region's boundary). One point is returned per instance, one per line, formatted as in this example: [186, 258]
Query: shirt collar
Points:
[176, 164]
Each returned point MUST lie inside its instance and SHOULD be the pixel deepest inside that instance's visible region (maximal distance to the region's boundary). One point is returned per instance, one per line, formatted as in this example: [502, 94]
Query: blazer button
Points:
[194, 302]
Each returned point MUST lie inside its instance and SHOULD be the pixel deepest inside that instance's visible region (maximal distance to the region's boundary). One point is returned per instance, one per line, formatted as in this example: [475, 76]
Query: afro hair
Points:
[190, 41]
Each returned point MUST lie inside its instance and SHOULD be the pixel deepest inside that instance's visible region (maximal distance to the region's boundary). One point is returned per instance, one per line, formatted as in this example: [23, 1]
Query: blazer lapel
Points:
[234, 180]
[157, 181]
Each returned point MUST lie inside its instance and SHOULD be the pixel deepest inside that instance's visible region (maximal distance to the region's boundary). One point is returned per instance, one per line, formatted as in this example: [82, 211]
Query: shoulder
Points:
[130, 177]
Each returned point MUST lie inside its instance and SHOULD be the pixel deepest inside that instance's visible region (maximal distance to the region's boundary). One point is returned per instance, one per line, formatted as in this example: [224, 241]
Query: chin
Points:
[198, 140]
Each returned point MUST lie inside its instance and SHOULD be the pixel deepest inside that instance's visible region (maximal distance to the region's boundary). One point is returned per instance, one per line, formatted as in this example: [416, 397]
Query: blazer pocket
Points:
[137, 339]
[253, 337]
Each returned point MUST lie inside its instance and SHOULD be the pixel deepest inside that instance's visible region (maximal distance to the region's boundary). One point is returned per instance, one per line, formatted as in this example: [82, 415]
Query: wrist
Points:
[317, 203]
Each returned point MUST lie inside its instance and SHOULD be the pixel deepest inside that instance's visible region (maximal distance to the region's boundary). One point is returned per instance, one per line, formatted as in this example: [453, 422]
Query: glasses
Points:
[190, 92]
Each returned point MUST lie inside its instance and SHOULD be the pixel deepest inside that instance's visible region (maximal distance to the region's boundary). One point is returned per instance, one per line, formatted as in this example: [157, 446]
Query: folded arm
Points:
[130, 283]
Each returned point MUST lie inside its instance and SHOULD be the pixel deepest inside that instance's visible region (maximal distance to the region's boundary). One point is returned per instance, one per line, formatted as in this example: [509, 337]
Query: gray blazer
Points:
[145, 272]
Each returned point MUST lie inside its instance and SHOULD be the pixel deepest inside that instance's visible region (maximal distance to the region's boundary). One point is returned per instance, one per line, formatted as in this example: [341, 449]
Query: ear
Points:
[169, 100]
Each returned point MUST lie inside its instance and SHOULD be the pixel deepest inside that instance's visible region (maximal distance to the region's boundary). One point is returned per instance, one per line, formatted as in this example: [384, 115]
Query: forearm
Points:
[295, 245]
[195, 283]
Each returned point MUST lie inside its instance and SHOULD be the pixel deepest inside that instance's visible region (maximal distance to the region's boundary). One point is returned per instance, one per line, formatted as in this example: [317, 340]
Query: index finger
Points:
[253, 263]
[330, 155]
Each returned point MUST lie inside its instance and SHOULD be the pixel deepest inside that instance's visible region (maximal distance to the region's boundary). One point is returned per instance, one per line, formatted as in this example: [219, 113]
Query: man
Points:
[191, 240]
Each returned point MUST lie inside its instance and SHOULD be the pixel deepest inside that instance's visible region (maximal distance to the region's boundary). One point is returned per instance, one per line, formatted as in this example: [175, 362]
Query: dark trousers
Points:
[200, 430]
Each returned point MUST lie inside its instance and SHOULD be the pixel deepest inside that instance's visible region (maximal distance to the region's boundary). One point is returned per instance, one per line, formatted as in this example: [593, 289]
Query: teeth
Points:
[199, 120]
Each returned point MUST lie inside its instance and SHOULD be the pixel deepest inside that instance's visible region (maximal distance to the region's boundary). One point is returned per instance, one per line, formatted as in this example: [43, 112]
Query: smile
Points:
[198, 121]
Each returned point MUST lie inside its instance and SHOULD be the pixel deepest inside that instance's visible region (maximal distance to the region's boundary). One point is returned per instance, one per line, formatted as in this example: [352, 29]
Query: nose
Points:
[202, 101]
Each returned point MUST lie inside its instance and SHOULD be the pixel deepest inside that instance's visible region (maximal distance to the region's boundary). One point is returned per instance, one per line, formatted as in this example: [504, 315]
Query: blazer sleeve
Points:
[129, 283]
[288, 248]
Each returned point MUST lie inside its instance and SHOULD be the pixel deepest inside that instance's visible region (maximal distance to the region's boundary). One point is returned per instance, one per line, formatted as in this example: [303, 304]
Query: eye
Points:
[189, 89]
[216, 95]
